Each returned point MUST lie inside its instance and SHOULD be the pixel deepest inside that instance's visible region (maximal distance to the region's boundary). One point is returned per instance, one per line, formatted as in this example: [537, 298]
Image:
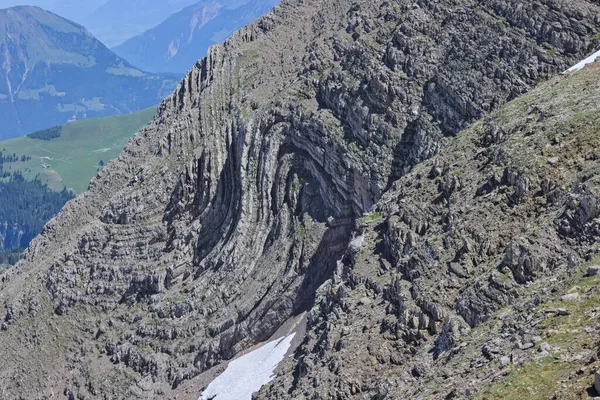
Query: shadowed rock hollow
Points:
[223, 217]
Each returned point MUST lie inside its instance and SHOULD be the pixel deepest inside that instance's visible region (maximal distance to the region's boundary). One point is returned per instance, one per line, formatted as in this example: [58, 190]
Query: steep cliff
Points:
[236, 207]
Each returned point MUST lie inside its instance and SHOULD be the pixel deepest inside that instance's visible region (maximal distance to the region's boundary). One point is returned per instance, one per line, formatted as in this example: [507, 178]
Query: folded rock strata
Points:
[234, 209]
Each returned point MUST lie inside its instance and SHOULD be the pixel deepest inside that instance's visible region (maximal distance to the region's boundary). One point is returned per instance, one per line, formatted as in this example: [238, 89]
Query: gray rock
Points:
[419, 370]
[525, 346]
[553, 160]
[570, 297]
[593, 270]
[504, 361]
[544, 346]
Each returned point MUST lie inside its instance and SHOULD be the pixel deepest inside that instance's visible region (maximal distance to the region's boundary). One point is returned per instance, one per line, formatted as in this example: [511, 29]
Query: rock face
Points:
[240, 205]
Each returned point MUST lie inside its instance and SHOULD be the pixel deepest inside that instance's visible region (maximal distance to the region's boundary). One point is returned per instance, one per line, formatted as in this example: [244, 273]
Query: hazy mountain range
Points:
[75, 10]
[53, 71]
[111, 21]
[175, 44]
[117, 20]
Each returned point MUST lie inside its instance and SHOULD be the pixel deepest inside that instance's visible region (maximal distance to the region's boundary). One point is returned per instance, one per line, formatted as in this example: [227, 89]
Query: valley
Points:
[71, 155]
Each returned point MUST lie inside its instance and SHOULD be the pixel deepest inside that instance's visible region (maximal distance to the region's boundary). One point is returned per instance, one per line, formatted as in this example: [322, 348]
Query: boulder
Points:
[570, 297]
[545, 346]
[593, 270]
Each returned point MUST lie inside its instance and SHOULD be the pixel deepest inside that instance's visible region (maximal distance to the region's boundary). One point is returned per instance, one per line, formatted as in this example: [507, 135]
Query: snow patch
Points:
[247, 374]
[585, 62]
[357, 243]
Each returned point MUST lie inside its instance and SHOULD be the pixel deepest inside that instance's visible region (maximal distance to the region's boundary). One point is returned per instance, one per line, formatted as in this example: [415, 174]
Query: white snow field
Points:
[247, 374]
[585, 62]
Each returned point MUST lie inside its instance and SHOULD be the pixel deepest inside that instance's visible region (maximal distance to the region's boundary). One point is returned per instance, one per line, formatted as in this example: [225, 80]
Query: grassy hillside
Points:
[75, 152]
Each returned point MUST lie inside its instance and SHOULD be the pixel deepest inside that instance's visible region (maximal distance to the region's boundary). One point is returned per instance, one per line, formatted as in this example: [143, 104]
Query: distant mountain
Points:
[117, 20]
[53, 71]
[75, 10]
[177, 43]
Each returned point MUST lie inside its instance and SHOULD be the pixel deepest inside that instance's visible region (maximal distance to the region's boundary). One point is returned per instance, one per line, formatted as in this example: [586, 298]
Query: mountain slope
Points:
[178, 42]
[70, 155]
[457, 279]
[116, 20]
[237, 207]
[53, 71]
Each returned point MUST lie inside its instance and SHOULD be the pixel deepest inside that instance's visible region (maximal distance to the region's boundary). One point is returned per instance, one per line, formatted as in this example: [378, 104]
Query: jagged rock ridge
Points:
[222, 218]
